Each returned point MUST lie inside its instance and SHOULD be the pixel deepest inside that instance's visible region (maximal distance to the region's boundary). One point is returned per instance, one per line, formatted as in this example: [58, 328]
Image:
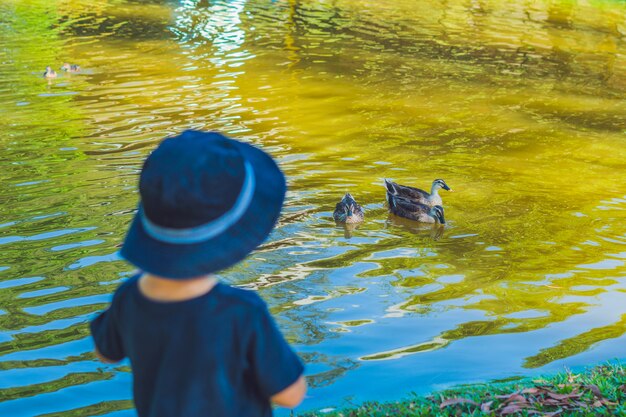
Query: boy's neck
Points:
[163, 289]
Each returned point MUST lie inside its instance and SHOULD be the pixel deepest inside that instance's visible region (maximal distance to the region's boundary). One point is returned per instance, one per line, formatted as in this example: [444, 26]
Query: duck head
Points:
[347, 210]
[439, 183]
[437, 213]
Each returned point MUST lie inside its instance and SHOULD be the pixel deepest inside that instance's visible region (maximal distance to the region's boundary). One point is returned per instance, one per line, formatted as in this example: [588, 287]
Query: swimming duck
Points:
[49, 73]
[415, 211]
[70, 67]
[348, 211]
[415, 194]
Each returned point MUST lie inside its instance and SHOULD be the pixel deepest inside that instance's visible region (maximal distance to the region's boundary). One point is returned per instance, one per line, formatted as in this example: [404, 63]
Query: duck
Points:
[348, 211]
[412, 210]
[70, 67]
[417, 195]
[49, 73]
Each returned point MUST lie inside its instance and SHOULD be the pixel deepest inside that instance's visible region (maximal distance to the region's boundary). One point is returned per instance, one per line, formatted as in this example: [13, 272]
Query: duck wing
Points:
[406, 192]
[412, 192]
[409, 209]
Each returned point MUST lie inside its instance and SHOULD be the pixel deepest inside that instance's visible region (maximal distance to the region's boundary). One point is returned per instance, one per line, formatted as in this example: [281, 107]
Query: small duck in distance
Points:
[49, 73]
[67, 67]
[348, 211]
[412, 210]
[415, 194]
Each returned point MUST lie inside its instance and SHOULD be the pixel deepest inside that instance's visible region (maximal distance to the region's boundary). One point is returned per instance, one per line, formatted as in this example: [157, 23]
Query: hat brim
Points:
[181, 261]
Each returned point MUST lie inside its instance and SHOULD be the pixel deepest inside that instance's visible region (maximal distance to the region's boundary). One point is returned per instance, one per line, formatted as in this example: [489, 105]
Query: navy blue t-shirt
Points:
[219, 354]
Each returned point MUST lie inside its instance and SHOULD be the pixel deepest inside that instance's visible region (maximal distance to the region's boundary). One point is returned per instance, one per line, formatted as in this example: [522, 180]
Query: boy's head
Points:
[206, 202]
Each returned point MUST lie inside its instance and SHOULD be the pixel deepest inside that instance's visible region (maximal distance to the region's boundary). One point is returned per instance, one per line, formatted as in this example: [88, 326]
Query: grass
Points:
[599, 391]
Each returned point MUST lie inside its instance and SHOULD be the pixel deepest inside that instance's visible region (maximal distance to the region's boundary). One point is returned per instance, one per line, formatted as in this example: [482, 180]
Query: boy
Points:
[198, 347]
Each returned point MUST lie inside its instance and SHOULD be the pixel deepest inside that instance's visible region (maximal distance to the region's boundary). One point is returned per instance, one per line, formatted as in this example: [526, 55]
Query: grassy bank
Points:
[600, 391]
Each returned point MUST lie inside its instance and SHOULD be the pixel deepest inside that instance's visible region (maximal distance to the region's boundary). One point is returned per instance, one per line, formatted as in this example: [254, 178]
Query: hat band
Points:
[209, 230]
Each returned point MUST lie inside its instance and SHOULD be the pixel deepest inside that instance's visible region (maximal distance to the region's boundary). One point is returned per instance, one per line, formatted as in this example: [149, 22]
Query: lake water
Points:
[520, 106]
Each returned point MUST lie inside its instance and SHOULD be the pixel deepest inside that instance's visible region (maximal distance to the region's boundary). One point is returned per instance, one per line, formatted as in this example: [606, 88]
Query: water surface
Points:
[518, 106]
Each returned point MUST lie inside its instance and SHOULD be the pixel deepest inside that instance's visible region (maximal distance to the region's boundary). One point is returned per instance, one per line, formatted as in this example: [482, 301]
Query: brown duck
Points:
[417, 195]
[348, 211]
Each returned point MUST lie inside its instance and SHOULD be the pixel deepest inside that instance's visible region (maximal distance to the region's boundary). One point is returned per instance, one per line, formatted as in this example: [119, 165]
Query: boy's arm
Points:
[291, 396]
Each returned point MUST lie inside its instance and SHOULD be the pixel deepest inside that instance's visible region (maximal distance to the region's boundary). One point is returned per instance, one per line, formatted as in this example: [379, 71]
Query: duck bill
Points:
[445, 187]
[441, 219]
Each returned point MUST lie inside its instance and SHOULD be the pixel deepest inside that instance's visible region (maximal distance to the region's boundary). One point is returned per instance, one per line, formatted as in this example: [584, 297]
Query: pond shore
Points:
[598, 391]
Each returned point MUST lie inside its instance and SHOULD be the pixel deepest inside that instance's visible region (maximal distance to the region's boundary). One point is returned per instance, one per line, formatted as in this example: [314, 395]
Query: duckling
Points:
[415, 211]
[415, 194]
[348, 211]
[70, 67]
[49, 73]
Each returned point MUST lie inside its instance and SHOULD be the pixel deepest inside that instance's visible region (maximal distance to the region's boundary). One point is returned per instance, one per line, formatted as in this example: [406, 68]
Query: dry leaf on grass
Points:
[595, 390]
[557, 396]
[516, 398]
[486, 407]
[553, 414]
[533, 390]
[514, 408]
[510, 409]
[456, 401]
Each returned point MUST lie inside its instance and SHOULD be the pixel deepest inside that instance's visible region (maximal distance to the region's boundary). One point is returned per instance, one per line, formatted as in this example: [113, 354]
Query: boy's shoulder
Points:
[128, 284]
[125, 287]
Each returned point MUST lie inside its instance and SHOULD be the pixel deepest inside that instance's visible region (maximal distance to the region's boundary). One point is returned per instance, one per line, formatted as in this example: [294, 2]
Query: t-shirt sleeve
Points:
[275, 364]
[106, 334]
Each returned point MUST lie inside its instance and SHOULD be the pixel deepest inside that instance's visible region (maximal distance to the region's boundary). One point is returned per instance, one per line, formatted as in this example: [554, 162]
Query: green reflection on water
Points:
[99, 409]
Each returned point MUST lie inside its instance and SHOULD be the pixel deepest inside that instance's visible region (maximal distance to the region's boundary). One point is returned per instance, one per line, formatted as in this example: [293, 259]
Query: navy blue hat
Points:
[206, 202]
